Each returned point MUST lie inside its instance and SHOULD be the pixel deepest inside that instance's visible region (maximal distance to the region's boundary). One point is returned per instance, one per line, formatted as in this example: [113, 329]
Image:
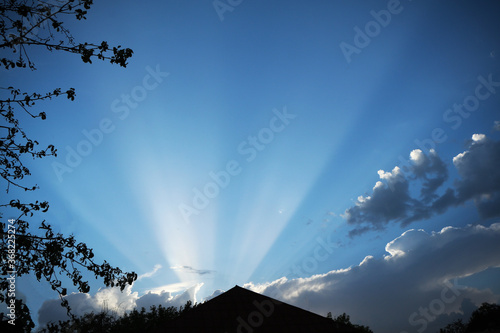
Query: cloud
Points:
[478, 137]
[106, 298]
[480, 172]
[391, 200]
[173, 287]
[166, 299]
[418, 274]
[189, 269]
[386, 203]
[431, 170]
[52, 311]
[156, 268]
[214, 294]
[113, 299]
[496, 125]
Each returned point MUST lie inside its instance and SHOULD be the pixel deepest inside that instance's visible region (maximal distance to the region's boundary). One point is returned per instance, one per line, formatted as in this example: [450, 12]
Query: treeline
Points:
[484, 319]
[109, 322]
[150, 321]
[344, 322]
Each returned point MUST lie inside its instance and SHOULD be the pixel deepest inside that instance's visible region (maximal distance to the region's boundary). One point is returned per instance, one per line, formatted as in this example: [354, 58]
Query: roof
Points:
[243, 311]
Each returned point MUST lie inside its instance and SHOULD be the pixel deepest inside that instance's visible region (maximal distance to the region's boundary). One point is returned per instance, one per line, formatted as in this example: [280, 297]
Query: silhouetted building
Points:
[239, 310]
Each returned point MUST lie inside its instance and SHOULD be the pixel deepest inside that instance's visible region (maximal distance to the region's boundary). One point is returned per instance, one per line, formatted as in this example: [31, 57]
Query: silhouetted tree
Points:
[484, 319]
[23, 322]
[130, 322]
[136, 321]
[24, 26]
[343, 321]
[455, 327]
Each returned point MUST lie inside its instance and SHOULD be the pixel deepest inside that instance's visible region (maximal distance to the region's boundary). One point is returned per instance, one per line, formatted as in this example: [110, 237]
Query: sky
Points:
[338, 156]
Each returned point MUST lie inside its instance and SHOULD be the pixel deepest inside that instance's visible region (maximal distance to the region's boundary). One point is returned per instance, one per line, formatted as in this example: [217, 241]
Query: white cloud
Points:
[478, 137]
[417, 156]
[173, 287]
[113, 299]
[106, 298]
[457, 159]
[214, 294]
[378, 184]
[410, 240]
[366, 260]
[394, 176]
[166, 299]
[418, 273]
[156, 268]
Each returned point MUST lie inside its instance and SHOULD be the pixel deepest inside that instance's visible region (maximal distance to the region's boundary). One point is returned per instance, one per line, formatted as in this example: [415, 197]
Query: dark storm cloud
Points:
[431, 170]
[391, 200]
[52, 311]
[479, 168]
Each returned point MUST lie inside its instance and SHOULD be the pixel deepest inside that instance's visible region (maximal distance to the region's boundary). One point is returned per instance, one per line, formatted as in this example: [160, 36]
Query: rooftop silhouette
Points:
[243, 311]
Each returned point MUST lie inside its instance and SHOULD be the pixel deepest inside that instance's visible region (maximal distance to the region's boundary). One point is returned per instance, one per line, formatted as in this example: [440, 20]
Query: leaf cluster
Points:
[31, 23]
[49, 256]
[14, 142]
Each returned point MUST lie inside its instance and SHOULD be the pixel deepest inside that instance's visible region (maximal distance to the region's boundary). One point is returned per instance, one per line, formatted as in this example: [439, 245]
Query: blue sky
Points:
[262, 110]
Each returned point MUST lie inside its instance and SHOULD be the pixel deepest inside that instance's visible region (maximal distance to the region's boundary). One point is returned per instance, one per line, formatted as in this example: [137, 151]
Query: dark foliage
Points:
[26, 23]
[485, 319]
[24, 26]
[343, 322]
[23, 322]
[455, 327]
[130, 322]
